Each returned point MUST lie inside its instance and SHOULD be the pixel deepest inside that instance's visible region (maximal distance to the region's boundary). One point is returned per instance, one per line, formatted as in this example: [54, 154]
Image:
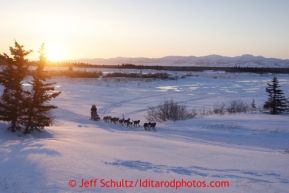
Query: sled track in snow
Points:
[107, 109]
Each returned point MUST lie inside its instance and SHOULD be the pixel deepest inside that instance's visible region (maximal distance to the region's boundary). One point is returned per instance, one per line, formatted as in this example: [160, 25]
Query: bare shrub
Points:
[260, 108]
[238, 106]
[169, 110]
[152, 114]
[219, 108]
[205, 111]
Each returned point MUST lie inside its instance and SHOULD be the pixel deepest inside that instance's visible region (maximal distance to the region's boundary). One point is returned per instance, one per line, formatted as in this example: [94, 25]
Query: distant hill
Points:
[211, 61]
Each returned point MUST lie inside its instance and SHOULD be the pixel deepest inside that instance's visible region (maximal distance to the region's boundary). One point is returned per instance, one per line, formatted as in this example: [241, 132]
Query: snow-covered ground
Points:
[250, 151]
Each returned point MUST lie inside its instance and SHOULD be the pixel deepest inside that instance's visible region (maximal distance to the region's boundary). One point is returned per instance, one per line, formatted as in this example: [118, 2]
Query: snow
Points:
[250, 151]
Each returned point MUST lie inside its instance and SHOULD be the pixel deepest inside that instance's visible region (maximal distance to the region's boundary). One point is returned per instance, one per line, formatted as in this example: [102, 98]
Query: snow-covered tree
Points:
[11, 77]
[38, 109]
[276, 102]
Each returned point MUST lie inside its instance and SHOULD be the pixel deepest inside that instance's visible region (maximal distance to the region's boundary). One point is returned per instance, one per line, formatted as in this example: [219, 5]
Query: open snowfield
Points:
[250, 151]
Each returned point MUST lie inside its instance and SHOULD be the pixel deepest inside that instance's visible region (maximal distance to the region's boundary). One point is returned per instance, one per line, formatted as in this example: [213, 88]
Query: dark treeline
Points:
[63, 64]
[261, 70]
[197, 68]
[172, 68]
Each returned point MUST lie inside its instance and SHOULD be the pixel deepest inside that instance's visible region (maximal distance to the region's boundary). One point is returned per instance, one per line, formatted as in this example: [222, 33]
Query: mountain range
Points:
[211, 61]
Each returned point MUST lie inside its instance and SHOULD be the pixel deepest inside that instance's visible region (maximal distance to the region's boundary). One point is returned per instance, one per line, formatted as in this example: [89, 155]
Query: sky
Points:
[78, 29]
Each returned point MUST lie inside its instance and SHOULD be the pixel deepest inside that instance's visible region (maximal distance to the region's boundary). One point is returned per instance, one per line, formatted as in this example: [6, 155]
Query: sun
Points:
[54, 52]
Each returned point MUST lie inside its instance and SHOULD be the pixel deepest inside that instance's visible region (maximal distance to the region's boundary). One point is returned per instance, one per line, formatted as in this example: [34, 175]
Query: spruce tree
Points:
[11, 77]
[253, 105]
[276, 102]
[38, 109]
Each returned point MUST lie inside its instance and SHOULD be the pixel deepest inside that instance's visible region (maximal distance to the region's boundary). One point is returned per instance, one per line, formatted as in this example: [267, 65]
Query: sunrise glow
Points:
[54, 52]
[109, 29]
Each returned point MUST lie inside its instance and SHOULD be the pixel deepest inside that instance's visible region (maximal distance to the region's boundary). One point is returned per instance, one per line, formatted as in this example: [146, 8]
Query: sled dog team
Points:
[129, 123]
[123, 122]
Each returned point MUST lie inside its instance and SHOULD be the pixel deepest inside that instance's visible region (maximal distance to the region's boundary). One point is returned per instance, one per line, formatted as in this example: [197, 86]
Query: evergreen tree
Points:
[11, 77]
[38, 109]
[253, 105]
[276, 102]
